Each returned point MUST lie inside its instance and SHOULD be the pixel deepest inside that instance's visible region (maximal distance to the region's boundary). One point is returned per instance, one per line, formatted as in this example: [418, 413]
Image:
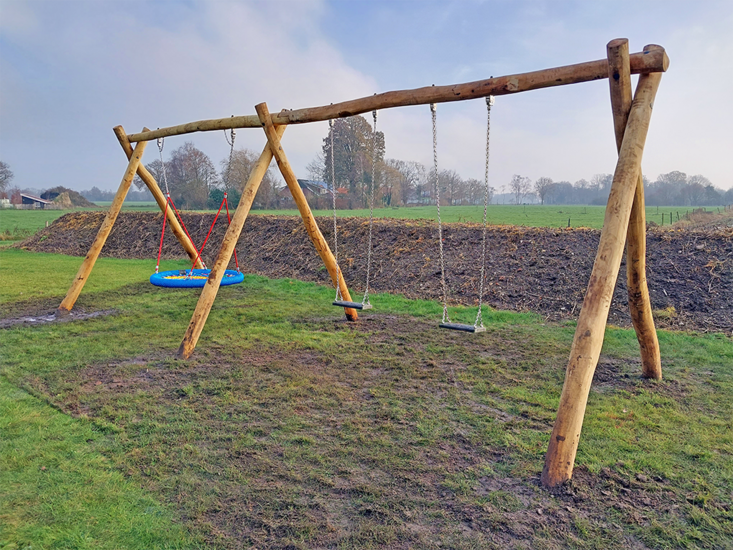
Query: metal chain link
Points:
[444, 286]
[162, 165]
[231, 152]
[479, 316]
[335, 227]
[365, 299]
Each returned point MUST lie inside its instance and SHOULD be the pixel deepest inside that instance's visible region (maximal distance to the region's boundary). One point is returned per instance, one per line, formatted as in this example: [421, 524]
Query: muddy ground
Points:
[545, 270]
[377, 500]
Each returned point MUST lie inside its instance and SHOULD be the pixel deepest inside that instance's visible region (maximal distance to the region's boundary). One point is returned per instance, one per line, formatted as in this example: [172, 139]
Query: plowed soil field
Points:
[690, 271]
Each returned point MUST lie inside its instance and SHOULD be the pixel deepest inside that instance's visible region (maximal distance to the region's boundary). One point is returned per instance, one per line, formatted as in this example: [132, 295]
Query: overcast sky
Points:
[72, 70]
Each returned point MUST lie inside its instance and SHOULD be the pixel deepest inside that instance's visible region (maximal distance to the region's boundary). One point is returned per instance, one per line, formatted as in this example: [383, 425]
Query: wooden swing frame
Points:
[624, 223]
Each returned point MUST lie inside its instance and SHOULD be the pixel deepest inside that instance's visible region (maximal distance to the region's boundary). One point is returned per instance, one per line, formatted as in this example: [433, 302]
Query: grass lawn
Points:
[292, 428]
[19, 224]
[499, 214]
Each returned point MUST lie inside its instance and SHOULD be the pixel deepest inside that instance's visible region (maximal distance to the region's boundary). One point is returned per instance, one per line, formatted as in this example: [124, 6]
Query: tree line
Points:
[670, 189]
[353, 158]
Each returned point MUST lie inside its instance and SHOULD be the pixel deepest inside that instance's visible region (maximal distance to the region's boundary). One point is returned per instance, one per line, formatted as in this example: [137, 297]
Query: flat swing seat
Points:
[352, 305]
[187, 278]
[464, 328]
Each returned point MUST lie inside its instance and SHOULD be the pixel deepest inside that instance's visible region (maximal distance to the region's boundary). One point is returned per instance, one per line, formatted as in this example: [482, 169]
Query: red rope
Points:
[162, 233]
[169, 200]
[210, 229]
[180, 219]
[226, 203]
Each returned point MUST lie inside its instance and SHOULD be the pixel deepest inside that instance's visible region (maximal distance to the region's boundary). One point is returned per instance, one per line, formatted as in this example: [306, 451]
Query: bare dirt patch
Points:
[690, 271]
[54, 317]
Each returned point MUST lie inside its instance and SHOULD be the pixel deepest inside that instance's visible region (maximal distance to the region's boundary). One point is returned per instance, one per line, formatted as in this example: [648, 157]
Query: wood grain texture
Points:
[640, 305]
[641, 63]
[319, 242]
[589, 334]
[228, 243]
[152, 185]
[109, 220]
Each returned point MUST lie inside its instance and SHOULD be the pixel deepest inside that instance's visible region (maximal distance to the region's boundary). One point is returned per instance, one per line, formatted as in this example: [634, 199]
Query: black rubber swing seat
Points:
[464, 328]
[352, 305]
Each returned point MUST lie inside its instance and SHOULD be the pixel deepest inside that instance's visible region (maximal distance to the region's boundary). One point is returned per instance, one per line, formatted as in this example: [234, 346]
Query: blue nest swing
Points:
[192, 278]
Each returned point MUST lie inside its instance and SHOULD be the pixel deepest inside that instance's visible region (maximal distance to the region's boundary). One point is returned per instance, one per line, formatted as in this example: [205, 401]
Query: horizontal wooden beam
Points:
[652, 61]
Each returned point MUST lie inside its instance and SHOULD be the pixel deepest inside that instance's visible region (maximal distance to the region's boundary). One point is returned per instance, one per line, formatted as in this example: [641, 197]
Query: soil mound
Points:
[690, 271]
[66, 198]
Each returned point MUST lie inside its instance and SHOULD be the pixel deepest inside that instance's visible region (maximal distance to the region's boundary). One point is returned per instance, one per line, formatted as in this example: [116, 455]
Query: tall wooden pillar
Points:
[589, 334]
[305, 212]
[86, 267]
[211, 288]
[640, 306]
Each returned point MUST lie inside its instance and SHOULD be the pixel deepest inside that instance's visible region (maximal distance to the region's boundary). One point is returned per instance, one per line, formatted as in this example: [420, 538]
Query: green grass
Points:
[60, 491]
[290, 426]
[135, 206]
[19, 224]
[497, 214]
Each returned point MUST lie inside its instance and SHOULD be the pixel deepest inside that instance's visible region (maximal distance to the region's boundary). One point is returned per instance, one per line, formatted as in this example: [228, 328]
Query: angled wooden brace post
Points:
[150, 182]
[586, 347]
[640, 306]
[109, 220]
[208, 293]
[310, 222]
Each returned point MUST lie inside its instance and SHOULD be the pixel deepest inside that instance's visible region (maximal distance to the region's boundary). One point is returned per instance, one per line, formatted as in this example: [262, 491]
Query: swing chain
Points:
[444, 286]
[230, 142]
[479, 316]
[365, 299]
[333, 203]
[160, 143]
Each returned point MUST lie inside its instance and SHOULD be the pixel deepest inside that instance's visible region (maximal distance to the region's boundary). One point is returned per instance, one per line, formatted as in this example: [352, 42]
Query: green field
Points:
[19, 224]
[501, 214]
[136, 206]
[292, 428]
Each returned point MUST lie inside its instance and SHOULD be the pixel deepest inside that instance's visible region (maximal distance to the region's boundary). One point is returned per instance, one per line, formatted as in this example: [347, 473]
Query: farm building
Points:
[31, 201]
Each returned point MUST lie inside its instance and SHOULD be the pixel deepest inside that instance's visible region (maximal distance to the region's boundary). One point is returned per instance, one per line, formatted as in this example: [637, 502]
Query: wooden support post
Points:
[586, 347]
[104, 230]
[208, 293]
[640, 305]
[310, 222]
[149, 180]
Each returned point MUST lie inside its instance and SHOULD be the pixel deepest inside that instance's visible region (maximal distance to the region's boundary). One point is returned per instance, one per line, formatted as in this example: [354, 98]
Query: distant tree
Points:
[414, 185]
[352, 155]
[6, 175]
[519, 187]
[712, 196]
[234, 177]
[542, 187]
[727, 196]
[317, 168]
[156, 170]
[14, 194]
[476, 191]
[450, 187]
[191, 176]
[601, 183]
[390, 185]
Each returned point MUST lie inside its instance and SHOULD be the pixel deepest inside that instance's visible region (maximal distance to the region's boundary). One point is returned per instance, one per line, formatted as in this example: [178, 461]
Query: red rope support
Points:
[162, 233]
[210, 229]
[229, 219]
[180, 219]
